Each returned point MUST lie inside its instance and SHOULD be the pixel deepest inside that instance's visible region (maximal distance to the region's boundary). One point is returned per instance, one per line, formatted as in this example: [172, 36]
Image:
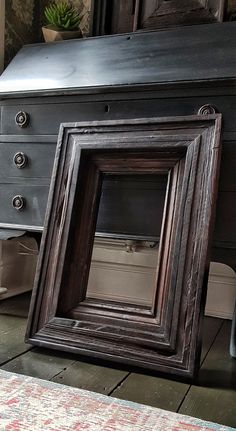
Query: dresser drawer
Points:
[26, 160]
[45, 118]
[22, 205]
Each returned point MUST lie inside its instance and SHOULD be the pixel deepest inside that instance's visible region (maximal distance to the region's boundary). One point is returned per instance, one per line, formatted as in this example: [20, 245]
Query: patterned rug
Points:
[31, 404]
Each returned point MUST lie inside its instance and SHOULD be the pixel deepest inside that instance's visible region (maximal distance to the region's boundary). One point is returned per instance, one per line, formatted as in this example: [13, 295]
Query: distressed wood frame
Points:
[173, 14]
[122, 16]
[166, 337]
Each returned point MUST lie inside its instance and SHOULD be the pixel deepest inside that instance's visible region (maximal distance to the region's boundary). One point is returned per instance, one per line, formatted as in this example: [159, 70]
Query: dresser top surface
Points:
[181, 55]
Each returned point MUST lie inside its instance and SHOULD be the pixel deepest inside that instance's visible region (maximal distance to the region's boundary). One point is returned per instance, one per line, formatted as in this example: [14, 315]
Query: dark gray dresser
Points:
[176, 72]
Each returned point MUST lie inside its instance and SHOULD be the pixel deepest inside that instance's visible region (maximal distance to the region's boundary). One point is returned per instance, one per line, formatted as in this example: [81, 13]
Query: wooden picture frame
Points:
[109, 17]
[165, 337]
[161, 14]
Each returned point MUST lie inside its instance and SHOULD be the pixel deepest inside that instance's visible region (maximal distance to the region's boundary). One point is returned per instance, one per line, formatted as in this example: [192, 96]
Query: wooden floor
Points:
[212, 398]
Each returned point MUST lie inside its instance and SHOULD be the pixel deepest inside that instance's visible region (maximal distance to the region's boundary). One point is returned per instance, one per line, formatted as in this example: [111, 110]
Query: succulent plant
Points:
[62, 15]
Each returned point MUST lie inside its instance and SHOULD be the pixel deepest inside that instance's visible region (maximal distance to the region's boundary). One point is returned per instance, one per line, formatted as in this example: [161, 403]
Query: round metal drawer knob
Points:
[22, 119]
[20, 160]
[18, 202]
[207, 110]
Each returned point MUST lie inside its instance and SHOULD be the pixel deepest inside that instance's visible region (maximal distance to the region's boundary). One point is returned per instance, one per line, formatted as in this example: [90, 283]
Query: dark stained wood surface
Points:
[173, 56]
[121, 16]
[59, 317]
[163, 14]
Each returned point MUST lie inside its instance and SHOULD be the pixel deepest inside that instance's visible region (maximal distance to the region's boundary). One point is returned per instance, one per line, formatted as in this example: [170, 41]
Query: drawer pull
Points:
[20, 160]
[207, 110]
[22, 119]
[18, 202]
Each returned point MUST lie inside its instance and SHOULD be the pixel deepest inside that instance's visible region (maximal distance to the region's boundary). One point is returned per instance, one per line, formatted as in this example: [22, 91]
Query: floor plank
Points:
[16, 306]
[12, 332]
[160, 392]
[213, 399]
[152, 391]
[40, 363]
[91, 377]
[215, 396]
[211, 328]
[63, 368]
[9, 323]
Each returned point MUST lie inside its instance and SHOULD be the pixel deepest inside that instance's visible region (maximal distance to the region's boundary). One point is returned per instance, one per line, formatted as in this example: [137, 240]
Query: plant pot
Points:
[51, 34]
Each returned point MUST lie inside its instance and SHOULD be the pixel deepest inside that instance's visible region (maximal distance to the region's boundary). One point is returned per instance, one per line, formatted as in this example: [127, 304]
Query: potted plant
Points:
[62, 22]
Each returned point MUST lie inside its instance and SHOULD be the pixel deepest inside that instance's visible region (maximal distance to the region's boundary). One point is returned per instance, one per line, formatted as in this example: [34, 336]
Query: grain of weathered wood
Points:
[122, 15]
[215, 397]
[91, 377]
[182, 146]
[160, 392]
[39, 363]
[165, 14]
[153, 14]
